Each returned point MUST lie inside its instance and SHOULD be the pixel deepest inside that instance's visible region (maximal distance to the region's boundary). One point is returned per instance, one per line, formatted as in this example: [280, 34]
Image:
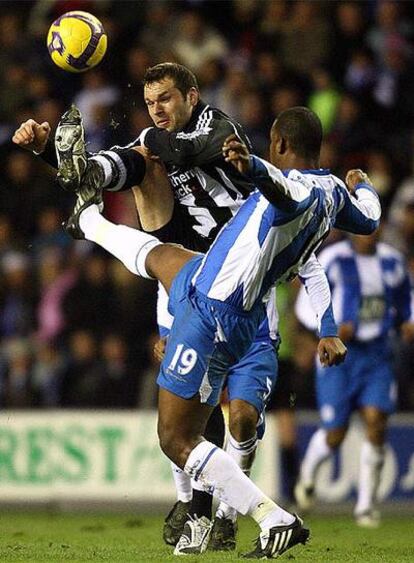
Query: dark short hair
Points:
[302, 128]
[183, 78]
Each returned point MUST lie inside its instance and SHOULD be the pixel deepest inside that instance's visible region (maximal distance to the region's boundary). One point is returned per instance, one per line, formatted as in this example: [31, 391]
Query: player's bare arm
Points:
[32, 136]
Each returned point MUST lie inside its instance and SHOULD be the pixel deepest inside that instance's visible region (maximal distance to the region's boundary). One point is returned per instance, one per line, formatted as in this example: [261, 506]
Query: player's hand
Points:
[32, 135]
[331, 351]
[346, 331]
[237, 153]
[159, 349]
[407, 332]
[355, 177]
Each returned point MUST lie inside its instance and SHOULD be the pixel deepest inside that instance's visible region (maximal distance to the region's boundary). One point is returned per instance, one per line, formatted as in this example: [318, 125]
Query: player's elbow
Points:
[365, 227]
[369, 227]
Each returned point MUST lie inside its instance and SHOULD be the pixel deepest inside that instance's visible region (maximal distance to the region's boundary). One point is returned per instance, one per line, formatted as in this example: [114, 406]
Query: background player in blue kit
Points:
[217, 299]
[371, 298]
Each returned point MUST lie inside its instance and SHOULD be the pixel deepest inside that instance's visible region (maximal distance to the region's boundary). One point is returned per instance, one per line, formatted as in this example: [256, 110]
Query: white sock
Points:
[317, 452]
[182, 484]
[371, 462]
[129, 245]
[243, 454]
[220, 475]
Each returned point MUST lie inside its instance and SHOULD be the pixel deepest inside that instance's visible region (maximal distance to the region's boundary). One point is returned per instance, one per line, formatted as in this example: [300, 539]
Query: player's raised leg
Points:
[153, 197]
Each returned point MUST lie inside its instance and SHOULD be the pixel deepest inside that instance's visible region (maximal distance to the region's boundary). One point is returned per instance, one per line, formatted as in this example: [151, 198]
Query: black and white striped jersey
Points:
[208, 190]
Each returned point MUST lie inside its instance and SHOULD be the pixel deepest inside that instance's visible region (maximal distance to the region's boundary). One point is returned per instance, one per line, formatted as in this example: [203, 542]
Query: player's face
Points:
[167, 106]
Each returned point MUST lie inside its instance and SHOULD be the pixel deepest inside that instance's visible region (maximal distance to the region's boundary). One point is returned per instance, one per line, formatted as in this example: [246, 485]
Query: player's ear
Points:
[282, 145]
[193, 96]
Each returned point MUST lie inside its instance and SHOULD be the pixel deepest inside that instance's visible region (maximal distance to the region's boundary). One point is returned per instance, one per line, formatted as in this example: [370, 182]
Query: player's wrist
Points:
[39, 150]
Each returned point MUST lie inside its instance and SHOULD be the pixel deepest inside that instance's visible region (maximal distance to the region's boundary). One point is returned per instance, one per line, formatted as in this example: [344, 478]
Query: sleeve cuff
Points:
[364, 186]
[328, 324]
[143, 136]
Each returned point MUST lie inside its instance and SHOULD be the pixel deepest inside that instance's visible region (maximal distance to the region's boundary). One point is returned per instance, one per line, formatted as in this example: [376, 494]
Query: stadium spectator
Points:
[119, 378]
[17, 296]
[47, 375]
[91, 304]
[54, 282]
[349, 24]
[16, 384]
[81, 376]
[306, 37]
[196, 43]
[325, 98]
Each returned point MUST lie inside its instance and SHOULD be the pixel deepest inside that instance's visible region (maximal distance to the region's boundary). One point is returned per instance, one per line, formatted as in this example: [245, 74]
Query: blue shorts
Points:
[207, 339]
[364, 379]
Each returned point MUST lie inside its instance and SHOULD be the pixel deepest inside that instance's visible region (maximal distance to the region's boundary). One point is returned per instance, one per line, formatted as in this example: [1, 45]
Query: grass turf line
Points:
[48, 537]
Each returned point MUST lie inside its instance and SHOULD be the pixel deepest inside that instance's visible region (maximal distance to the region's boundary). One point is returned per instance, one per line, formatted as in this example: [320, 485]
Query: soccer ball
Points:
[76, 41]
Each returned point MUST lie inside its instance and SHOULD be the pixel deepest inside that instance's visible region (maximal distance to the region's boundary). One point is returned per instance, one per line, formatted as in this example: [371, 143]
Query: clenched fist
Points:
[331, 351]
[355, 177]
[32, 135]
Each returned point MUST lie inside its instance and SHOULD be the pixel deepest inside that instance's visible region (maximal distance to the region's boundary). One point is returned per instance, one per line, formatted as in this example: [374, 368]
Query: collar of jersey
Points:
[316, 171]
[195, 115]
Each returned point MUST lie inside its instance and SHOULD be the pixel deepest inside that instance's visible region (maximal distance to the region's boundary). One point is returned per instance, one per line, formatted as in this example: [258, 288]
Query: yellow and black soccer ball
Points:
[77, 41]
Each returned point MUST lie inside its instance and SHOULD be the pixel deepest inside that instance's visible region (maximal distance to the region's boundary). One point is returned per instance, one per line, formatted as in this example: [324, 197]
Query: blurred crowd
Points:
[76, 329]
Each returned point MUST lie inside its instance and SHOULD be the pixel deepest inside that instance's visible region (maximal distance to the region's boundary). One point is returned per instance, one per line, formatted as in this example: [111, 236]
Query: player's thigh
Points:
[179, 229]
[154, 198]
[334, 396]
[181, 419]
[379, 389]
[194, 363]
[253, 377]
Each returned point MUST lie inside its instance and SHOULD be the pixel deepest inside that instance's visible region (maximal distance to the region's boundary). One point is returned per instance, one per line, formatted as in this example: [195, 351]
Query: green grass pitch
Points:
[55, 538]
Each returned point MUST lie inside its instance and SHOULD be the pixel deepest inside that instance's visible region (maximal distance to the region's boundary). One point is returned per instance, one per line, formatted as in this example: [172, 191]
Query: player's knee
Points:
[175, 445]
[242, 421]
[169, 442]
[334, 438]
[376, 433]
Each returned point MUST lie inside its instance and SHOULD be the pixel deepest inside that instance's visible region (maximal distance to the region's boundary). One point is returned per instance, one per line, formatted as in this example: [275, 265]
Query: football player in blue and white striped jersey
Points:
[217, 298]
[371, 298]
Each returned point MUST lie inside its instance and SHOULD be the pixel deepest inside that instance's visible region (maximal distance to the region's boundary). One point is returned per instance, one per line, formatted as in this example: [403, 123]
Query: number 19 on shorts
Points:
[184, 360]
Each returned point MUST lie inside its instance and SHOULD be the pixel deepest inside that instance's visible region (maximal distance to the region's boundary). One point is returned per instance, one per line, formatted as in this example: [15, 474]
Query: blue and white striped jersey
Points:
[314, 280]
[268, 243]
[371, 291]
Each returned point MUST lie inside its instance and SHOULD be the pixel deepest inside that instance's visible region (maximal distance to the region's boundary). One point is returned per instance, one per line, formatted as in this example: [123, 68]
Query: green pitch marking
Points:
[55, 538]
